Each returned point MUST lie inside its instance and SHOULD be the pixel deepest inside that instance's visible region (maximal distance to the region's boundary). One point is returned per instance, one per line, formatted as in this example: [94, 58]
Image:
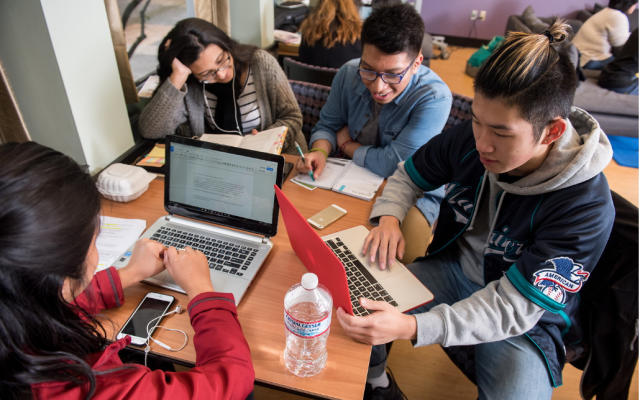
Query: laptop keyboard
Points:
[361, 282]
[223, 256]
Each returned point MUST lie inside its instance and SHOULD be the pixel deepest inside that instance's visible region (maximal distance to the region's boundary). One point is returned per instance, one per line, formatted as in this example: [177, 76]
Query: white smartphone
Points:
[152, 306]
[327, 216]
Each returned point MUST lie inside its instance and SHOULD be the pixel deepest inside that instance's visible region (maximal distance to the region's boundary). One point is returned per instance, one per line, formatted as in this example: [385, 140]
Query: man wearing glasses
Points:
[383, 107]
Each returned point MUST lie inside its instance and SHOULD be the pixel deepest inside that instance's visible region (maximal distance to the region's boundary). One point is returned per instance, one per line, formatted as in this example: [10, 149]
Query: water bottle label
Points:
[306, 329]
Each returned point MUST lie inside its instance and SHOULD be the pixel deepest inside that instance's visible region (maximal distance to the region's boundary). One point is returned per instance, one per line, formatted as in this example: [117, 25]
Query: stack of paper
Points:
[116, 235]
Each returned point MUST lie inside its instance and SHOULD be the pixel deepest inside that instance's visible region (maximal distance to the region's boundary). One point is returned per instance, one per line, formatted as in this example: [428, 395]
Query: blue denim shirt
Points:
[406, 123]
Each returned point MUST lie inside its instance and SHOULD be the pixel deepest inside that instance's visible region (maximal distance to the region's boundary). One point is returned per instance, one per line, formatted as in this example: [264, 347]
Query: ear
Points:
[417, 63]
[554, 130]
[66, 290]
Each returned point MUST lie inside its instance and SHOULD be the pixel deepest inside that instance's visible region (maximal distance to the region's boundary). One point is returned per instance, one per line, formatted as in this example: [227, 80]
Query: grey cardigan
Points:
[172, 109]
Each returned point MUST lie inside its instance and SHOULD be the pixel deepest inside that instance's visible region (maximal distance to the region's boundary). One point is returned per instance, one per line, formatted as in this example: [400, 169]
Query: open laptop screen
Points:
[222, 184]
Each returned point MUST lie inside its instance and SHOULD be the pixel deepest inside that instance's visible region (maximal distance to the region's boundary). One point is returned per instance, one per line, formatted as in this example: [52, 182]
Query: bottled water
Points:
[307, 318]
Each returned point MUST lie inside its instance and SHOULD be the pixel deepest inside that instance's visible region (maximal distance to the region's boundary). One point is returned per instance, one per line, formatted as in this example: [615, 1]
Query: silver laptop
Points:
[395, 284]
[221, 201]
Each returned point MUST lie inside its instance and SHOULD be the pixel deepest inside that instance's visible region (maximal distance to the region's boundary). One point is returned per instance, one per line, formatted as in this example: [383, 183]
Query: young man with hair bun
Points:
[526, 216]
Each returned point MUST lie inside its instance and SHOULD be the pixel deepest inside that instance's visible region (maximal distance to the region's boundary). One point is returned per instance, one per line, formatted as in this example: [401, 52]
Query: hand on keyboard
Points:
[383, 326]
[385, 239]
[145, 262]
[190, 269]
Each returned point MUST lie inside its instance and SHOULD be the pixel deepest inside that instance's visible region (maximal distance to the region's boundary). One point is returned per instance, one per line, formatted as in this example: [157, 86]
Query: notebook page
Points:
[359, 182]
[330, 175]
[229, 140]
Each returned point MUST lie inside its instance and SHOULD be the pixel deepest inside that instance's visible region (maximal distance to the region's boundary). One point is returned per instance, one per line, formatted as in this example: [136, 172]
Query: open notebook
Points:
[344, 176]
[269, 141]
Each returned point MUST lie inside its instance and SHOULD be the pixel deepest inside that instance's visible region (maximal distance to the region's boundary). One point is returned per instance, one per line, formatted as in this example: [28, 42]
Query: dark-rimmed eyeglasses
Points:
[386, 77]
[212, 74]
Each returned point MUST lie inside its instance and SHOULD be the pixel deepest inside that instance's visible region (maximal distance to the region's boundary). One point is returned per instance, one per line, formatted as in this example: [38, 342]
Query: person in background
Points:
[383, 106]
[621, 75]
[209, 83]
[52, 346]
[331, 34]
[527, 214]
[602, 35]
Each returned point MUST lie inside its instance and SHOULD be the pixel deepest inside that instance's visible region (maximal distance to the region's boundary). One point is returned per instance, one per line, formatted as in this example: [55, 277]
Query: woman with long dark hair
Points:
[51, 344]
[210, 83]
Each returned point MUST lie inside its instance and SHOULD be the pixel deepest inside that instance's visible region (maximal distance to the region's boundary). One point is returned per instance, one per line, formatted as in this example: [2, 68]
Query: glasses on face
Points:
[386, 77]
[212, 75]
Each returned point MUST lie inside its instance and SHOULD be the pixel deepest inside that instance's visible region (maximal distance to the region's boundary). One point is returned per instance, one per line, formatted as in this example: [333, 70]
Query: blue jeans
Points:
[598, 65]
[513, 368]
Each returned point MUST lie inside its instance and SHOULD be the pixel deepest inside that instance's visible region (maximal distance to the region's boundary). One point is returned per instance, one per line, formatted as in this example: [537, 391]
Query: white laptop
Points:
[395, 284]
[221, 201]
[337, 261]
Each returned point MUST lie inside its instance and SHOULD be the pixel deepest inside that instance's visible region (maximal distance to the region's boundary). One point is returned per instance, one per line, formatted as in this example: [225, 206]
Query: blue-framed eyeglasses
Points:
[386, 77]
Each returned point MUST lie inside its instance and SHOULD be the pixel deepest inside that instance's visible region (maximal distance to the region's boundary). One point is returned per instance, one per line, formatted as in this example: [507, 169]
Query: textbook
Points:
[344, 176]
[269, 141]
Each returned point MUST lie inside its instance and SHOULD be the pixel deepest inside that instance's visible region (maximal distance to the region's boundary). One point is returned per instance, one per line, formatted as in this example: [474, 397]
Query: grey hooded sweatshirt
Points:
[498, 310]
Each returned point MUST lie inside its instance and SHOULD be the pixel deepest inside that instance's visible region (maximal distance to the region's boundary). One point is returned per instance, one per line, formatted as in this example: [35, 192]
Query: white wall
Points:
[252, 21]
[79, 33]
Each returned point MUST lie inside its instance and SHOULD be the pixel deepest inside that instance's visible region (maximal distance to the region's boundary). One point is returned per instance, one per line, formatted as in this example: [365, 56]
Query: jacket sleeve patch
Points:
[531, 292]
[564, 276]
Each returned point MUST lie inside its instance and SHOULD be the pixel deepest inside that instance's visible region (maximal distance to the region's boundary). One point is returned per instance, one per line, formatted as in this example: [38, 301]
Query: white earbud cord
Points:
[178, 310]
[235, 109]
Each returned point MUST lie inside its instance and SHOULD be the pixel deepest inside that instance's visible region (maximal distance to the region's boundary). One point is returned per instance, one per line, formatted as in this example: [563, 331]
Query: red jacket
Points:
[223, 362]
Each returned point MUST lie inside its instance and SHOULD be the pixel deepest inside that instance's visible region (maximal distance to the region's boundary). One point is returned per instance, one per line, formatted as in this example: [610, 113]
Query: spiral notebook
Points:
[344, 176]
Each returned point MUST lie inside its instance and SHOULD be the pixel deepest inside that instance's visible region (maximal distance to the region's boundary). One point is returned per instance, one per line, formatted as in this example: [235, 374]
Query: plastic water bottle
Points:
[307, 319]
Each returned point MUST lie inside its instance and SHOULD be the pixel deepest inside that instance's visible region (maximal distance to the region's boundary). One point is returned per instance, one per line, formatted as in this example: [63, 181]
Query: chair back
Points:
[297, 71]
[460, 110]
[311, 98]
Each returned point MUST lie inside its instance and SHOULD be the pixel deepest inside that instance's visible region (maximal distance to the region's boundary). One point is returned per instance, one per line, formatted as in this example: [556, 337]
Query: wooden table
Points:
[261, 310]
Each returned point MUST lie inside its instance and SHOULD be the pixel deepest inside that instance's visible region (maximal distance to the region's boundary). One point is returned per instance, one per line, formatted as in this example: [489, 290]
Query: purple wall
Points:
[452, 17]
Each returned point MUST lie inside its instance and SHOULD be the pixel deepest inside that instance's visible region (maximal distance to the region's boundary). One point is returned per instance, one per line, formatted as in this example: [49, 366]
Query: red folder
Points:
[314, 253]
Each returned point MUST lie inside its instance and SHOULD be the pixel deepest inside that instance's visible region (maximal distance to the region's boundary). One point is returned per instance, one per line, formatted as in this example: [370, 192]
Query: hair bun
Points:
[558, 31]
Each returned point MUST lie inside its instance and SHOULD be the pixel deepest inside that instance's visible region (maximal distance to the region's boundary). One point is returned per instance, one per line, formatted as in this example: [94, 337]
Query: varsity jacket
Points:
[547, 232]
[223, 362]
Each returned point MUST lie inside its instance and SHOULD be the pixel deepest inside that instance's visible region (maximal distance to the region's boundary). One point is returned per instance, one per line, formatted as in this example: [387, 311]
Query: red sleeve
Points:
[104, 291]
[223, 361]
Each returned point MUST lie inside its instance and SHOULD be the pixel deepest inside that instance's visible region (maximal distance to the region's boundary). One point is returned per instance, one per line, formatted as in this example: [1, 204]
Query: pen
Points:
[304, 161]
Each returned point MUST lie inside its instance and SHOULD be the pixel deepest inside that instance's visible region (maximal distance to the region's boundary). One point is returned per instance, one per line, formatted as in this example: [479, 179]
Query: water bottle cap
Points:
[309, 281]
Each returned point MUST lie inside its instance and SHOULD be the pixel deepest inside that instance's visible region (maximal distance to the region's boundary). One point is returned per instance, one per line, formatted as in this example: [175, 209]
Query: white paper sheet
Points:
[332, 171]
[116, 235]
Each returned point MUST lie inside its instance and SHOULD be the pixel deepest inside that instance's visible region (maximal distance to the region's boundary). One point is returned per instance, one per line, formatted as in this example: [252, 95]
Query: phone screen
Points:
[149, 309]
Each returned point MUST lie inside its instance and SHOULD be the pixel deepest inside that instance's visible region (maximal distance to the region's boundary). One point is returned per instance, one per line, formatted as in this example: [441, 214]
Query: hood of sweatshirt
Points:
[581, 153]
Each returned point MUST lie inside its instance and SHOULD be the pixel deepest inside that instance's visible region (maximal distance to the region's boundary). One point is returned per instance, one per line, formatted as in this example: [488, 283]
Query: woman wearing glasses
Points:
[209, 83]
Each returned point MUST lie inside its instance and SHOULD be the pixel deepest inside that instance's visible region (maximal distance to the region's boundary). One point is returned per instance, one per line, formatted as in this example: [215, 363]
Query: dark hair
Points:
[49, 210]
[190, 37]
[621, 5]
[529, 73]
[394, 29]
